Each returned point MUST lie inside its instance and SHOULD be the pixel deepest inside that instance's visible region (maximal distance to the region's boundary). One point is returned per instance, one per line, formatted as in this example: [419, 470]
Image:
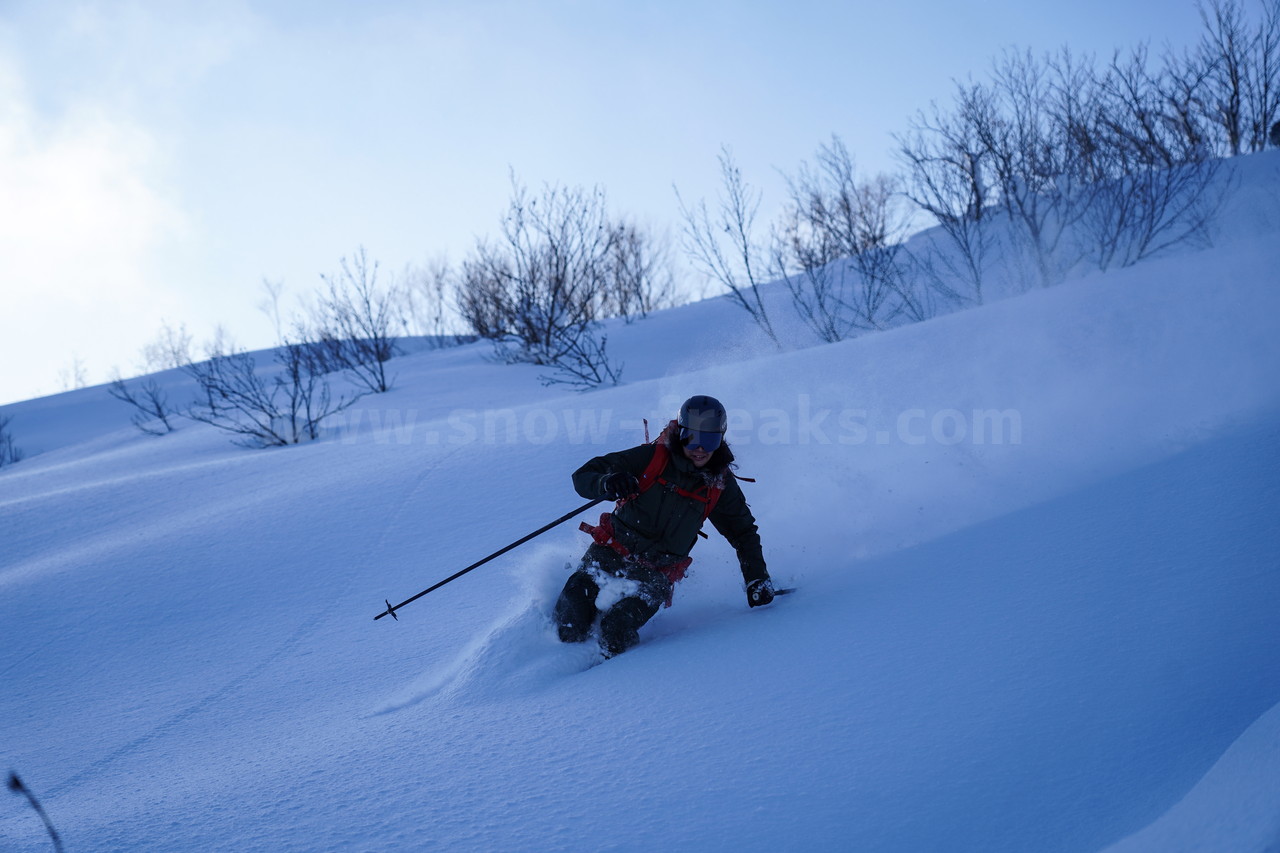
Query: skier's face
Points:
[697, 455]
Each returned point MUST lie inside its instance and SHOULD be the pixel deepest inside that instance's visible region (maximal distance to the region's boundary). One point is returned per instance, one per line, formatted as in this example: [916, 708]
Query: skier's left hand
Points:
[759, 592]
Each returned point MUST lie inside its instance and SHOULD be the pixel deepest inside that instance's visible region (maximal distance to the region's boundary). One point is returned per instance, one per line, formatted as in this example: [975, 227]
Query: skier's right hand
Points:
[617, 485]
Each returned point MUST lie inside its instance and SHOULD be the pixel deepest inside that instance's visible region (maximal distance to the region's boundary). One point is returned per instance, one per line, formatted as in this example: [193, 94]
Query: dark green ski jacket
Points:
[660, 525]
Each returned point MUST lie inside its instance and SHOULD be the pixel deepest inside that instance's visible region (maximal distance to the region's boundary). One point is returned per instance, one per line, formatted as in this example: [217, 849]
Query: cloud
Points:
[83, 213]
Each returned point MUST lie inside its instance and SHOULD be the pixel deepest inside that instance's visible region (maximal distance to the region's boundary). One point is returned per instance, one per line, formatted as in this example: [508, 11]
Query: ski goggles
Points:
[708, 441]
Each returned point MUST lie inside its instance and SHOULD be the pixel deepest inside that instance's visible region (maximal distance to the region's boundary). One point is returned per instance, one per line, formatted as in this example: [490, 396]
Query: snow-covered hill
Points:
[1035, 544]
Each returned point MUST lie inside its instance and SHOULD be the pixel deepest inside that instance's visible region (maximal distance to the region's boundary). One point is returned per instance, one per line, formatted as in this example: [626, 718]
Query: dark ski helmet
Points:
[703, 422]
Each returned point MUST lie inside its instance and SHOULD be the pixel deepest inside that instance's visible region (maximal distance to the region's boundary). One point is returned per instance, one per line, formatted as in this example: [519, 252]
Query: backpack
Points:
[602, 533]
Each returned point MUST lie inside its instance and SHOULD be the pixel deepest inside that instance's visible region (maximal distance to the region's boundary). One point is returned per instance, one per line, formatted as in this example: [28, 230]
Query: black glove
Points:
[617, 485]
[759, 592]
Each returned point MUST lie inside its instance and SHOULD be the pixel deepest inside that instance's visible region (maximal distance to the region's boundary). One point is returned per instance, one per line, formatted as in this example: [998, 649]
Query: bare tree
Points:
[74, 375]
[220, 344]
[1147, 209]
[1034, 142]
[427, 292]
[354, 321]
[9, 452]
[1133, 115]
[584, 363]
[170, 348]
[839, 248]
[886, 270]
[948, 176]
[269, 305]
[561, 265]
[1262, 96]
[287, 408]
[1183, 93]
[152, 413]
[1243, 72]
[1154, 185]
[640, 279]
[724, 246]
[1224, 49]
[1110, 165]
[548, 273]
[482, 294]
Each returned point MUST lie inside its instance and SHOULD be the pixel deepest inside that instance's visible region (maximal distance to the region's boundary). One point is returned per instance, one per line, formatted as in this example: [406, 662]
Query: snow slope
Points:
[1035, 545]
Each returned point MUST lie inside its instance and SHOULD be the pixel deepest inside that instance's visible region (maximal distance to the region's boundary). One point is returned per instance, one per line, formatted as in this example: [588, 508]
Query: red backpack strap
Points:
[657, 464]
[713, 495]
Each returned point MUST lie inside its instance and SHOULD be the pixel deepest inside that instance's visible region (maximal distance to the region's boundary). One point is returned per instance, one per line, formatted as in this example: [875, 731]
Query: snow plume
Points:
[518, 652]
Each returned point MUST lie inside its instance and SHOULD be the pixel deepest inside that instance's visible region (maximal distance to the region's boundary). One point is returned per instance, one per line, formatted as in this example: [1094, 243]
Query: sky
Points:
[160, 161]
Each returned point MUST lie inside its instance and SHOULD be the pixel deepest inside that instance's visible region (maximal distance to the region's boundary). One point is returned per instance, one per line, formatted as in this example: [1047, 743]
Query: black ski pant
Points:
[575, 611]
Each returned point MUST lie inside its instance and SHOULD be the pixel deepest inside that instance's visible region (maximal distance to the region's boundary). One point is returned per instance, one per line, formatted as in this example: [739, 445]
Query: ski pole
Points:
[562, 519]
[16, 785]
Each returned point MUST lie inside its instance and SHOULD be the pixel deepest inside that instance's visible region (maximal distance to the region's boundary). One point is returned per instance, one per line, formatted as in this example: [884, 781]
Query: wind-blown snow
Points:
[1035, 545]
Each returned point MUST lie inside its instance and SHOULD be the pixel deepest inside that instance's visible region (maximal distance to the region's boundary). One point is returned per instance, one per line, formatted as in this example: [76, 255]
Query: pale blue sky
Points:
[158, 160]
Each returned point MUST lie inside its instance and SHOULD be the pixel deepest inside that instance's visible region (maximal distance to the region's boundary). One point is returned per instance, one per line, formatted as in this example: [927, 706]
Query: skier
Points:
[664, 491]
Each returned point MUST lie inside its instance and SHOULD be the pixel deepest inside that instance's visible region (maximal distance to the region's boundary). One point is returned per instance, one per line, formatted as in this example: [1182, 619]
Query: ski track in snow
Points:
[307, 626]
